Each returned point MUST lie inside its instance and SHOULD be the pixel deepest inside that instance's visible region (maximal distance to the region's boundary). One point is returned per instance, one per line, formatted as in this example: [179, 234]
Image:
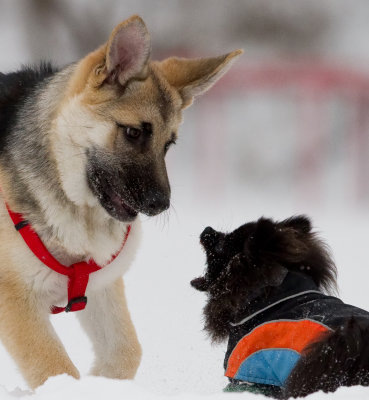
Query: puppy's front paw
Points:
[121, 365]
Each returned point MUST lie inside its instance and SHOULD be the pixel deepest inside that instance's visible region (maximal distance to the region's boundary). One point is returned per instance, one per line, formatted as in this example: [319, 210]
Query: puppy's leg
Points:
[107, 322]
[29, 337]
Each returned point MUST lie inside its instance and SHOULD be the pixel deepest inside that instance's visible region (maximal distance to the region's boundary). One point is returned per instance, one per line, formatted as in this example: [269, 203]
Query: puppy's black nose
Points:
[153, 201]
[156, 203]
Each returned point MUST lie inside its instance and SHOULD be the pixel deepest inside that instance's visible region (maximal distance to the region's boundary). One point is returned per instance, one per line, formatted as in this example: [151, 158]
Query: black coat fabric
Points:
[296, 303]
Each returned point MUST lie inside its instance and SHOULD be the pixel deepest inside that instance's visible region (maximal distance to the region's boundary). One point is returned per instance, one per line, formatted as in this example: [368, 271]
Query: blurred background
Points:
[285, 131]
[287, 124]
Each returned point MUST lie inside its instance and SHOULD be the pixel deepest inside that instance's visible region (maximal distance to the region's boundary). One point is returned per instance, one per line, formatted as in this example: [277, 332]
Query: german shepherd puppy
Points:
[82, 153]
[265, 284]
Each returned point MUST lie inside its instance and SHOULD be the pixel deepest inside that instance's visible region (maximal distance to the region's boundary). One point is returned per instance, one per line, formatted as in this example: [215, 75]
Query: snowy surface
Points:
[63, 387]
[179, 361]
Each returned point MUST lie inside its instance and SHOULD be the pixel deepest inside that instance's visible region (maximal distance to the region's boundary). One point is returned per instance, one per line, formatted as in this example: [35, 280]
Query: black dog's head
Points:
[246, 263]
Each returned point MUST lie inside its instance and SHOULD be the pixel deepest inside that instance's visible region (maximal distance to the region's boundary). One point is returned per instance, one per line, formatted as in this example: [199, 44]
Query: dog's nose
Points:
[208, 231]
[208, 236]
[156, 203]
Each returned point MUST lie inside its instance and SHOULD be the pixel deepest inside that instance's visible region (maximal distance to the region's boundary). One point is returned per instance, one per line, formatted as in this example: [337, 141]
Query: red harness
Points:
[77, 273]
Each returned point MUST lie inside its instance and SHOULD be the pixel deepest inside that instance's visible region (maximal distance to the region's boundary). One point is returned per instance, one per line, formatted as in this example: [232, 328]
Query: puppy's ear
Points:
[278, 242]
[200, 284]
[125, 56]
[127, 51]
[300, 222]
[192, 77]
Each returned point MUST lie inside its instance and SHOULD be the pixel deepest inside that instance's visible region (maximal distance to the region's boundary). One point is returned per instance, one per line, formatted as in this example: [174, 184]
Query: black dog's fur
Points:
[248, 263]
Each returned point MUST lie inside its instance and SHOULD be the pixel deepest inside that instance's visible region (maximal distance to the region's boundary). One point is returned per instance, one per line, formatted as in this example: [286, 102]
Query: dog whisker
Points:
[163, 220]
[76, 126]
[75, 155]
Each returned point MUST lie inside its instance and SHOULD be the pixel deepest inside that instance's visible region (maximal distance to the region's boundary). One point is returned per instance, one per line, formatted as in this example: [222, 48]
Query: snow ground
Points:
[179, 362]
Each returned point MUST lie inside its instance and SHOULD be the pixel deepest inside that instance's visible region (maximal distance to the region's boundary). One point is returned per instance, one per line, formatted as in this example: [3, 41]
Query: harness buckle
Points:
[82, 299]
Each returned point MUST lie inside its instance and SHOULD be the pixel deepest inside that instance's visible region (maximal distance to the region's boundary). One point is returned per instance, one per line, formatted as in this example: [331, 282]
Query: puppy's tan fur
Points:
[78, 110]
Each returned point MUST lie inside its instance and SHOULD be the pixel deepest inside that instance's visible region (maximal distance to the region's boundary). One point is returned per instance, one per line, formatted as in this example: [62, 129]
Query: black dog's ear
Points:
[282, 242]
[300, 222]
[200, 284]
[292, 244]
[263, 241]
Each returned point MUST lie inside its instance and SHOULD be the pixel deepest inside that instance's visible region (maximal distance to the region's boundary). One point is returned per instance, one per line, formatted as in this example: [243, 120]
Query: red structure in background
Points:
[306, 75]
[315, 83]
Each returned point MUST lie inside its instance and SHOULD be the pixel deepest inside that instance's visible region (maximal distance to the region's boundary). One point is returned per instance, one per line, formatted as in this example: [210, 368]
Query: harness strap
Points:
[78, 274]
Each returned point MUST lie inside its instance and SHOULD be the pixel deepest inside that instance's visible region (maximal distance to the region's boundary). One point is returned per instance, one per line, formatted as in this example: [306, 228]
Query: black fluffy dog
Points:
[265, 284]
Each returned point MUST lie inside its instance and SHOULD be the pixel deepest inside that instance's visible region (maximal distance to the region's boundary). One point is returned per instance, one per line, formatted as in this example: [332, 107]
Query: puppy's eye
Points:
[130, 132]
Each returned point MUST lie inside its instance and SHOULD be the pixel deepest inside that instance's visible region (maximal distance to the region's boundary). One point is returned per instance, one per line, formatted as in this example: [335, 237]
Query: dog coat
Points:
[266, 344]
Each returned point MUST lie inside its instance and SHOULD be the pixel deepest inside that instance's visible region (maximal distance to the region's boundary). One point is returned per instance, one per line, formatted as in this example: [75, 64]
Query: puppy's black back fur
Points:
[15, 88]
